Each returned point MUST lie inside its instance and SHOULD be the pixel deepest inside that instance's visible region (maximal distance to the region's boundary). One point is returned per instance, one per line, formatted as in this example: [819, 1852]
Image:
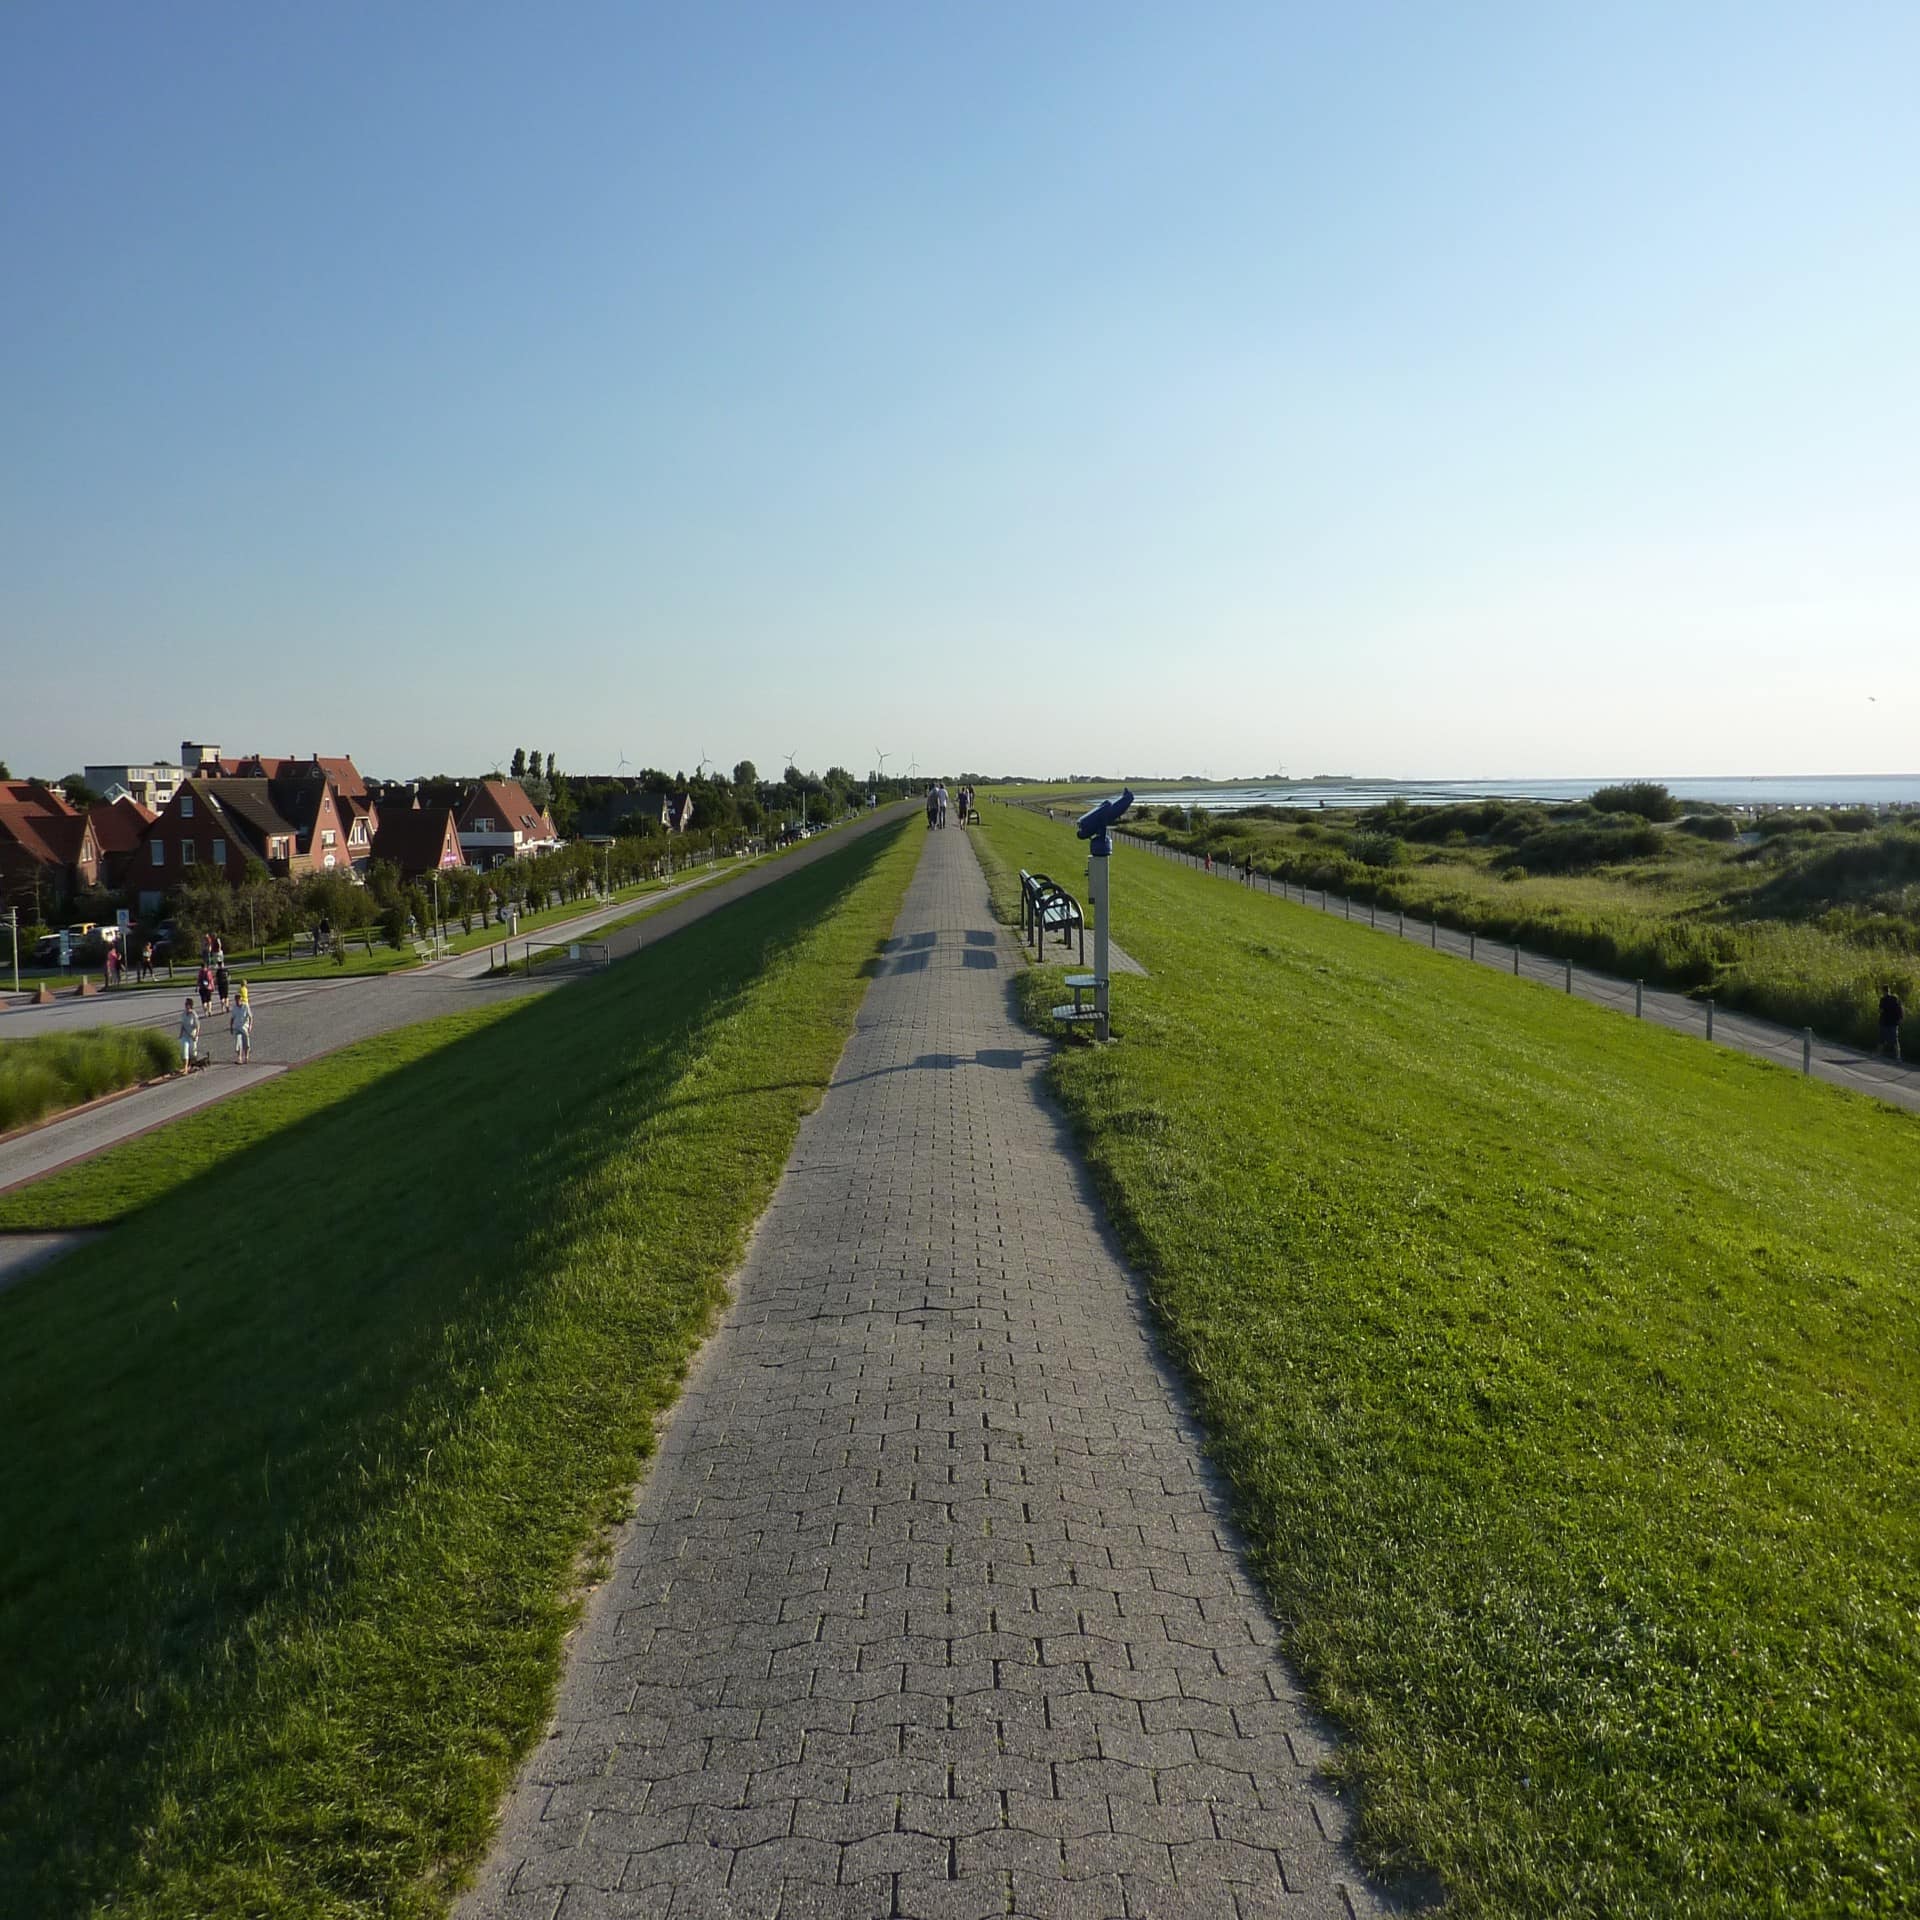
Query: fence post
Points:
[1347, 902]
[1372, 921]
[1806, 1049]
[1569, 976]
[1709, 1016]
[1516, 962]
[1433, 933]
[1403, 923]
[1472, 945]
[1639, 993]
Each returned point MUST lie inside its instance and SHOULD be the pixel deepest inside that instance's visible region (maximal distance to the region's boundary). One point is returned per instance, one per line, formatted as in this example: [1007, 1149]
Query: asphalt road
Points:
[298, 1020]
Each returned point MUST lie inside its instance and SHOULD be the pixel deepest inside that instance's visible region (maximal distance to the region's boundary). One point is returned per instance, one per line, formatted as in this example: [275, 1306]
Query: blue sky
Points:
[1481, 391]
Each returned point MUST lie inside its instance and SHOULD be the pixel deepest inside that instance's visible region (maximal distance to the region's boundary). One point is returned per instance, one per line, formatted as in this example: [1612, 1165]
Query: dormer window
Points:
[186, 806]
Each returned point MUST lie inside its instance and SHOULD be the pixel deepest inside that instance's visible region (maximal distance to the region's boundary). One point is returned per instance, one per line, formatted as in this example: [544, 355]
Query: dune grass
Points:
[303, 1458]
[1563, 1370]
[51, 1072]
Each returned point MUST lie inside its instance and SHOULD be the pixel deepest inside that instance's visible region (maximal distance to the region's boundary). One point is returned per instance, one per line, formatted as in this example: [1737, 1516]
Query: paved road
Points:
[929, 1606]
[299, 1020]
[1840, 1066]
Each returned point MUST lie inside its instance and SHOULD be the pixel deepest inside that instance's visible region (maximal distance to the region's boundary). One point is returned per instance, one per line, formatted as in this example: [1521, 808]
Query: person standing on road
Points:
[220, 980]
[146, 961]
[1891, 1015]
[189, 1034]
[205, 984]
[240, 1024]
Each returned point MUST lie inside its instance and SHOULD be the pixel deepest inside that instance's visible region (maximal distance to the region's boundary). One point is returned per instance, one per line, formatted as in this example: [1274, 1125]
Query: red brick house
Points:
[119, 826]
[292, 827]
[48, 849]
[420, 840]
[497, 822]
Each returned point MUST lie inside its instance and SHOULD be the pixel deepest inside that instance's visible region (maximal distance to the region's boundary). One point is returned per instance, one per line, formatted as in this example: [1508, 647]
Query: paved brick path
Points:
[928, 1607]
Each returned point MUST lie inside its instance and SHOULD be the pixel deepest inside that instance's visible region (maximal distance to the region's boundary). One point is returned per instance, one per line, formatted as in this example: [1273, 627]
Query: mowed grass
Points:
[50, 1072]
[303, 1461]
[1564, 1369]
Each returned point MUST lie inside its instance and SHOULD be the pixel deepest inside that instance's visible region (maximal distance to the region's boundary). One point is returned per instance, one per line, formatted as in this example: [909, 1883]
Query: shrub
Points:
[1374, 849]
[1513, 873]
[1174, 817]
[1648, 798]
[1710, 826]
[1578, 845]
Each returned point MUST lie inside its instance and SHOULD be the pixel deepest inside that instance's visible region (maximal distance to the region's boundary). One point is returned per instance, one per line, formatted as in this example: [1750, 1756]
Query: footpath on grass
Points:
[929, 1605]
[1829, 1060]
[295, 1023]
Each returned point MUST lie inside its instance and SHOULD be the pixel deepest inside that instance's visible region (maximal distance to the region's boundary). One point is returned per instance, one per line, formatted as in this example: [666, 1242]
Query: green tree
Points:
[745, 775]
[78, 793]
[519, 768]
[533, 765]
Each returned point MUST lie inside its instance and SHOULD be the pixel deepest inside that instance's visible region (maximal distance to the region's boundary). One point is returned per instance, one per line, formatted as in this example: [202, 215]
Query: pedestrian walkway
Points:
[929, 1605]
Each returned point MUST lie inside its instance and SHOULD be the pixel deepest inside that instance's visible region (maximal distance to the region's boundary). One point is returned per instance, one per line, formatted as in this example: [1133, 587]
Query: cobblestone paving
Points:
[928, 1607]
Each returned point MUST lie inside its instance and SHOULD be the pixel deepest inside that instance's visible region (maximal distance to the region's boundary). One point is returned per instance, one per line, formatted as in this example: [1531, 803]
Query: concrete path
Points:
[929, 1606]
[1829, 1060]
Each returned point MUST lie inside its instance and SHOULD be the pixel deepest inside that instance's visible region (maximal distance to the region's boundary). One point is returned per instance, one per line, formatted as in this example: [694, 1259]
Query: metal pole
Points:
[1639, 994]
[1516, 963]
[1472, 945]
[1806, 1049]
[1403, 923]
[1433, 933]
[1371, 921]
[13, 922]
[1709, 1018]
[1097, 900]
[1569, 976]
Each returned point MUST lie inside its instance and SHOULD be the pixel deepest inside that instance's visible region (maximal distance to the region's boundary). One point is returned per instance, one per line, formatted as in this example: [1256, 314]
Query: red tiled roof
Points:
[119, 824]
[41, 823]
[506, 801]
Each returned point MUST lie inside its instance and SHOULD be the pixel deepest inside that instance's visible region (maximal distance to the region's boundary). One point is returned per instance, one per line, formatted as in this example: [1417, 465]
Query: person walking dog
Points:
[240, 1023]
[189, 1034]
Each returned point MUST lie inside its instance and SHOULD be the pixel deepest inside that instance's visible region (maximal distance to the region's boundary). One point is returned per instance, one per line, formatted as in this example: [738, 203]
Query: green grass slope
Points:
[1564, 1371]
[301, 1460]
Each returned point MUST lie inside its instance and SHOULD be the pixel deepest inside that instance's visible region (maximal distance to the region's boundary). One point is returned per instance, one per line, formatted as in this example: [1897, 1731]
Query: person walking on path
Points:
[189, 1035]
[205, 984]
[113, 968]
[146, 961]
[933, 810]
[220, 980]
[1891, 1015]
[240, 1025]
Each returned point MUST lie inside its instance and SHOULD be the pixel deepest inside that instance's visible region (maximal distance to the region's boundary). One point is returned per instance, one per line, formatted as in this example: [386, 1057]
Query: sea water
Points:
[1778, 790]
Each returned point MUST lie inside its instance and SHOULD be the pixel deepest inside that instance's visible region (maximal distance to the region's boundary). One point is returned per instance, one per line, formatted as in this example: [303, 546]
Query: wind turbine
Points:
[793, 766]
[700, 767]
[620, 772]
[883, 765]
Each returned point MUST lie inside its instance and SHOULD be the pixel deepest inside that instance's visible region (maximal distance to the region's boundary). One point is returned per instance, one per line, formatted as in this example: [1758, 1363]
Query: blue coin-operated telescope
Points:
[1096, 826]
[1097, 822]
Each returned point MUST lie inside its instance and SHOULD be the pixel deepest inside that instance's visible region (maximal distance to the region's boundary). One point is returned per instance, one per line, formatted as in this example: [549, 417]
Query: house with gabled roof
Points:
[119, 826]
[419, 840]
[291, 827]
[48, 849]
[497, 822]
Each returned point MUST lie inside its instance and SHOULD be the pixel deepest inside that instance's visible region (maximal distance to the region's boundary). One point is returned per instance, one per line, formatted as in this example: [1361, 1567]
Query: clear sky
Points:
[1486, 390]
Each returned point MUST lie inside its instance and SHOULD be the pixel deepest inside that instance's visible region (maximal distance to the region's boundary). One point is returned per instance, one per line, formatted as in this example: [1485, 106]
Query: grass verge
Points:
[51, 1072]
[303, 1457]
[1562, 1368]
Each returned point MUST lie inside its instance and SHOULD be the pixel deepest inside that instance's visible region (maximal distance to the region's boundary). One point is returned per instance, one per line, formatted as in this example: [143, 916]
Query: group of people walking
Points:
[938, 800]
[239, 1014]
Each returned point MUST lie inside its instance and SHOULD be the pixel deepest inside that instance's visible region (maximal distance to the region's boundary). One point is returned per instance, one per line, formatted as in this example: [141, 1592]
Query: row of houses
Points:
[294, 816]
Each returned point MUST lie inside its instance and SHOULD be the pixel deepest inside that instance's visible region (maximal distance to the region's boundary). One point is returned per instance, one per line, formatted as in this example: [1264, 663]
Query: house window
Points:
[482, 823]
[186, 806]
[159, 852]
[186, 853]
[327, 838]
[219, 853]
